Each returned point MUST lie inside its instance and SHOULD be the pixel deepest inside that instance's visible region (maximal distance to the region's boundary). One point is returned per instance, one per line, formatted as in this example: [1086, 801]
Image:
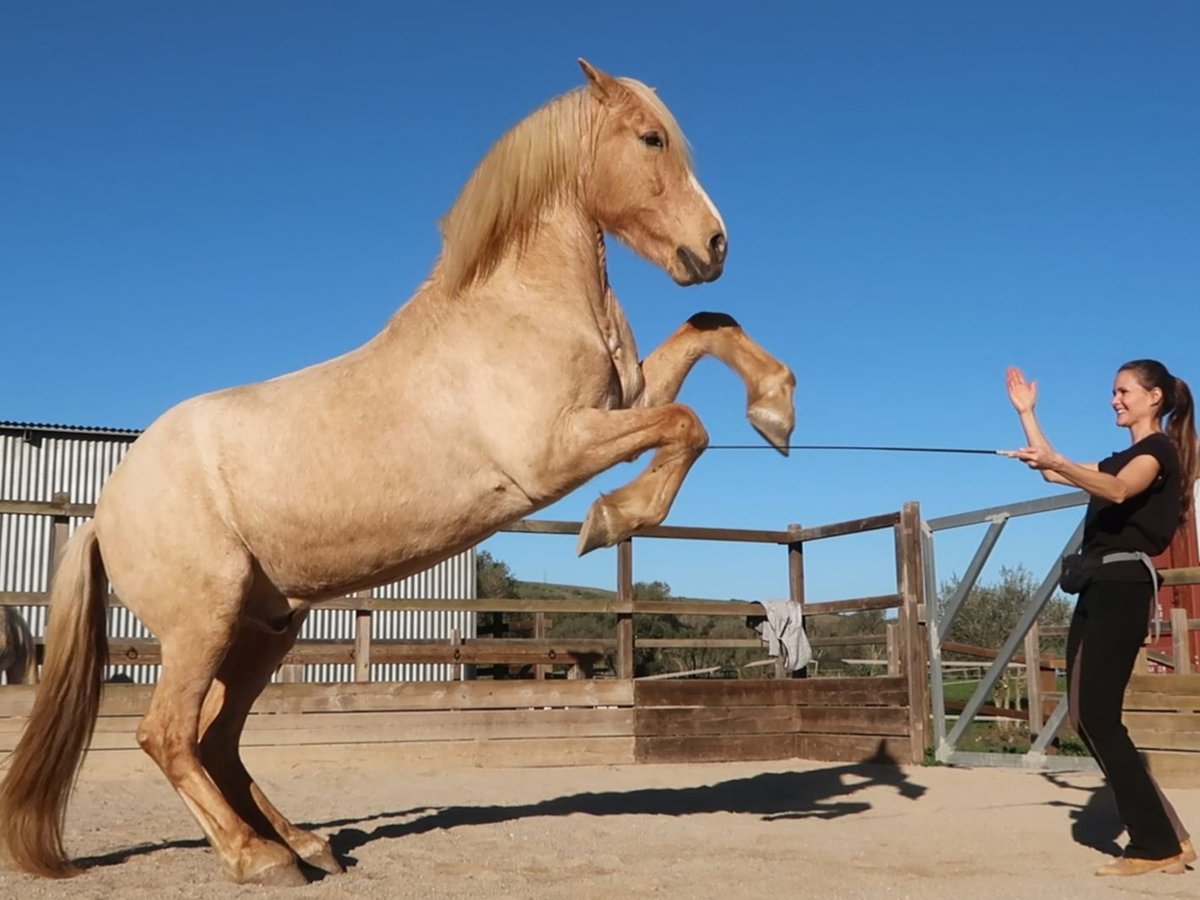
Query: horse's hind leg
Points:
[246, 670]
[194, 641]
[769, 383]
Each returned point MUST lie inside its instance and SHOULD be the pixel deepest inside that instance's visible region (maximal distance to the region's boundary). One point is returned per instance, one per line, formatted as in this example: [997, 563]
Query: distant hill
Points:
[539, 590]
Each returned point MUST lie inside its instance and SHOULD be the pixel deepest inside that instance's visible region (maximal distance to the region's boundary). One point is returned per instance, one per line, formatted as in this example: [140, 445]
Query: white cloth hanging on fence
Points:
[783, 632]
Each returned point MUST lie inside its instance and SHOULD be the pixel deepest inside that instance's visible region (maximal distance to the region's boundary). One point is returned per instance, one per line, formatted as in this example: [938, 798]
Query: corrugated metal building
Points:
[37, 461]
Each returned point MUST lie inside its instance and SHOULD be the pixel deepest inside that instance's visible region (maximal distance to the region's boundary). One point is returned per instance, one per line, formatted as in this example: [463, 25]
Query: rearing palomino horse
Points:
[510, 378]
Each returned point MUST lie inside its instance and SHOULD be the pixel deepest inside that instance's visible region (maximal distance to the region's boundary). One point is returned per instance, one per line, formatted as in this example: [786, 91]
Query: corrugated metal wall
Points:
[37, 462]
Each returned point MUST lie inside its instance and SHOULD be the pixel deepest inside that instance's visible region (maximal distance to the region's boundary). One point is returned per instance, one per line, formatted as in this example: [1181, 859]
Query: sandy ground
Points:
[794, 829]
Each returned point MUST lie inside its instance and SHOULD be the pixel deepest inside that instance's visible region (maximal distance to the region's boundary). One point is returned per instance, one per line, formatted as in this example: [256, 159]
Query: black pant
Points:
[1107, 630]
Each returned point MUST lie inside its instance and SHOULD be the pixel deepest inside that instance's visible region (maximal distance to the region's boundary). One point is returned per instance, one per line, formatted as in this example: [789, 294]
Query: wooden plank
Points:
[457, 725]
[625, 631]
[910, 584]
[1164, 731]
[1044, 662]
[369, 727]
[875, 691]
[885, 720]
[1175, 684]
[710, 643]
[714, 748]
[43, 508]
[857, 604]
[684, 721]
[549, 605]
[1174, 769]
[600, 751]
[668, 721]
[1181, 575]
[130, 699]
[850, 640]
[858, 749]
[748, 608]
[986, 710]
[853, 526]
[1180, 641]
[116, 699]
[698, 608]
[567, 751]
[445, 695]
[679, 532]
[481, 651]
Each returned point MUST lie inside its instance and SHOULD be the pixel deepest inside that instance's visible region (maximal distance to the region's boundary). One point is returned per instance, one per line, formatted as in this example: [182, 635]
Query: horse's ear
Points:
[601, 84]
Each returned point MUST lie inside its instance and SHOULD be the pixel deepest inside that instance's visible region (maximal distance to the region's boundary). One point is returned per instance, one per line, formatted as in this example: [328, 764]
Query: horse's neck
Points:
[574, 244]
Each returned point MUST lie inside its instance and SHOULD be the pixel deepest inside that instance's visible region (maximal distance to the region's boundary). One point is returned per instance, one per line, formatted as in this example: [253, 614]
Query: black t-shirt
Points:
[1147, 521]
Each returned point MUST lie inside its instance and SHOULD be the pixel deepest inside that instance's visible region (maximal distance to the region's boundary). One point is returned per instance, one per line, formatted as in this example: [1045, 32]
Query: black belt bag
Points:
[1080, 569]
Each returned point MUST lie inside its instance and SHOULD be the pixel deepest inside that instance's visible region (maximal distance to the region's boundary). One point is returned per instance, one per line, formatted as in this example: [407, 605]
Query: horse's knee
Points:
[686, 428]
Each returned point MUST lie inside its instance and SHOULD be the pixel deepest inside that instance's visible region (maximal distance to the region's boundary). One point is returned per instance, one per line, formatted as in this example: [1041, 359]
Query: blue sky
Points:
[197, 195]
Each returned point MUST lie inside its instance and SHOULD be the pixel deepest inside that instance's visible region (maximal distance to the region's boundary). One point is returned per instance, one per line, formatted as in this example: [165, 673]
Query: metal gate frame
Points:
[938, 622]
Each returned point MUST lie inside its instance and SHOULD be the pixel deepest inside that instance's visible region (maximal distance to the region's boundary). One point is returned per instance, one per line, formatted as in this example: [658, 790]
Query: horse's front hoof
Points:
[773, 414]
[598, 529]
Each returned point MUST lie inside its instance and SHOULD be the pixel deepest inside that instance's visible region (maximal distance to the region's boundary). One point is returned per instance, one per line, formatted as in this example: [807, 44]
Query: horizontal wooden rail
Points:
[47, 508]
[1046, 662]
[545, 605]
[678, 532]
[853, 526]
[475, 651]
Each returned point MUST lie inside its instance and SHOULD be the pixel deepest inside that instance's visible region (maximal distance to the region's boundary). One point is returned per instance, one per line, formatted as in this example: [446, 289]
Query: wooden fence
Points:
[582, 720]
[1162, 711]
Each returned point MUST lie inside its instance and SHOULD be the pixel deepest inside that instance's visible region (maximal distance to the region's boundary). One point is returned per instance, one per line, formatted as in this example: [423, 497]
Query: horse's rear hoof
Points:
[325, 861]
[278, 875]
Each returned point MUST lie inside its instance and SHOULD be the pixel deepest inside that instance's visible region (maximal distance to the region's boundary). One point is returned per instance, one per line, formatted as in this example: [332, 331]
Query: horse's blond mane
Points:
[532, 166]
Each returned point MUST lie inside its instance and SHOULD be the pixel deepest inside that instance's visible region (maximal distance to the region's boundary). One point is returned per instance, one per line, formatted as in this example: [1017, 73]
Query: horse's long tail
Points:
[42, 770]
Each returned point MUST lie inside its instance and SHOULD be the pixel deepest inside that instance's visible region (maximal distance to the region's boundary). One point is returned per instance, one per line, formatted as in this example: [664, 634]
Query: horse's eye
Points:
[652, 139]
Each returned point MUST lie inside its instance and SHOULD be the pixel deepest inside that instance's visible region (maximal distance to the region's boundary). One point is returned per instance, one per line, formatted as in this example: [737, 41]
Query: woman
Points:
[1139, 496]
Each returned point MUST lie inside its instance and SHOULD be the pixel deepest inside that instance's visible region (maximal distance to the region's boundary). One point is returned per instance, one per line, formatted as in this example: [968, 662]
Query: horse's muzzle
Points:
[699, 270]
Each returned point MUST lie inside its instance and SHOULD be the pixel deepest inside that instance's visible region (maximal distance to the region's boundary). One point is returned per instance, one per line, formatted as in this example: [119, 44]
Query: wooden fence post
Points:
[362, 645]
[796, 577]
[1033, 678]
[456, 641]
[539, 632]
[625, 640]
[910, 585]
[1180, 645]
[60, 530]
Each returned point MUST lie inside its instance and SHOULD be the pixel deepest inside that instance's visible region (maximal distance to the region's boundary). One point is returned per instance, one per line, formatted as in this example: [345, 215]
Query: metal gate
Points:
[939, 619]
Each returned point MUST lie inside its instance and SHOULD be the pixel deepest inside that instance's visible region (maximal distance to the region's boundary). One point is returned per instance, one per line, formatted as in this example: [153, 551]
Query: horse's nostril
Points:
[717, 245]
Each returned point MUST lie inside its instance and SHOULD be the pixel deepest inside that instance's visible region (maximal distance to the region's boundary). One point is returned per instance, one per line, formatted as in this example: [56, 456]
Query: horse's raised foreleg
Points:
[593, 440]
[769, 383]
[246, 670]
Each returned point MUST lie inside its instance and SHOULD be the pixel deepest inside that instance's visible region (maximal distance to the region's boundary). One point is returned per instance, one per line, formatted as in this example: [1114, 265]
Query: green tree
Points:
[493, 577]
[990, 611]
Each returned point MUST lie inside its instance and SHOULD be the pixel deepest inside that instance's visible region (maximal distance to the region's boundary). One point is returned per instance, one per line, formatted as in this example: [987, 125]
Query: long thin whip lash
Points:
[858, 447]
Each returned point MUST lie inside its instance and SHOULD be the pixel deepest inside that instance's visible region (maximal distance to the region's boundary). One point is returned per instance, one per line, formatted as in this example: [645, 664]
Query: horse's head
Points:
[640, 185]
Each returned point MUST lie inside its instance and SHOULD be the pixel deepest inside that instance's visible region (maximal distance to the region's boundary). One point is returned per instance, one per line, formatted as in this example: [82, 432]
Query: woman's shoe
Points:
[1131, 865]
[1188, 853]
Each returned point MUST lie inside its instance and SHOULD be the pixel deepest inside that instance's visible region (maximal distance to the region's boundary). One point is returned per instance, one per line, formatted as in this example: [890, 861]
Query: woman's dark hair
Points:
[1180, 411]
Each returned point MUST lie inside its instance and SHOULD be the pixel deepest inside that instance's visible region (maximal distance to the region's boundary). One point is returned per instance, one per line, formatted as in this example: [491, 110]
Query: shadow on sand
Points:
[816, 794]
